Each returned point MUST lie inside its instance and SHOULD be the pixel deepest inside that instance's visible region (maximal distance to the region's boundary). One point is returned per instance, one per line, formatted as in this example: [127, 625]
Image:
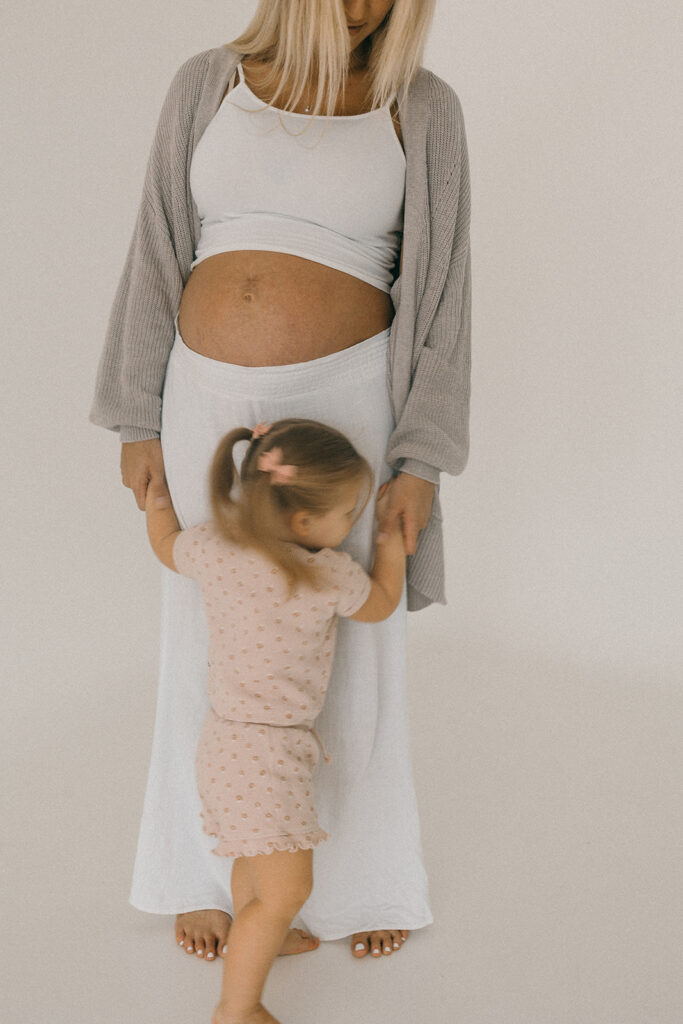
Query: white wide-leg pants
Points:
[369, 874]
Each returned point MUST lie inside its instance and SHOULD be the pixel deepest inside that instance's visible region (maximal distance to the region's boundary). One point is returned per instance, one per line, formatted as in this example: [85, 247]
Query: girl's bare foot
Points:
[379, 943]
[206, 933]
[259, 1015]
[298, 941]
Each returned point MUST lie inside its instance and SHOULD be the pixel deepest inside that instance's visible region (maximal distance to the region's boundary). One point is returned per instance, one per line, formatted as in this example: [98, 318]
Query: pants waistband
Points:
[364, 361]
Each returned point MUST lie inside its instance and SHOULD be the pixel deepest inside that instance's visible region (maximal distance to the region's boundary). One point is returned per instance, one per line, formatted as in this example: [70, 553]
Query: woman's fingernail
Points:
[225, 949]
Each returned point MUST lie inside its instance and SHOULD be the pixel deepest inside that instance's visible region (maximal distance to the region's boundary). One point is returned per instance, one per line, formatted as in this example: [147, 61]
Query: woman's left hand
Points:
[410, 499]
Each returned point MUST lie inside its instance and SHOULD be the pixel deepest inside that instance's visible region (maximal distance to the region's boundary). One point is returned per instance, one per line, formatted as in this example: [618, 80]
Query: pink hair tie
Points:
[271, 462]
[259, 430]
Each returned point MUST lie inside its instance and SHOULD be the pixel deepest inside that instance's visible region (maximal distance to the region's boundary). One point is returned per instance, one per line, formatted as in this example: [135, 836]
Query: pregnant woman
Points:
[301, 249]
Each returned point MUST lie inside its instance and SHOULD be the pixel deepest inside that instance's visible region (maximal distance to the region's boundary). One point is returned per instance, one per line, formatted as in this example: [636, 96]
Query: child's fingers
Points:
[385, 527]
[157, 494]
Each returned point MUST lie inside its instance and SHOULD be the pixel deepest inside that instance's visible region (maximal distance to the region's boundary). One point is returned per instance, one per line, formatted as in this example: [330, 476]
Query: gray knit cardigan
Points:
[428, 363]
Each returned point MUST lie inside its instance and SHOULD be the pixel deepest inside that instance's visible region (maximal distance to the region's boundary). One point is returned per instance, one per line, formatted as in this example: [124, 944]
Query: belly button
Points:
[248, 294]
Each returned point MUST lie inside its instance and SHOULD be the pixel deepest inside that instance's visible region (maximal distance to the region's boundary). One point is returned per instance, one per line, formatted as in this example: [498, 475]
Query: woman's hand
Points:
[142, 463]
[406, 499]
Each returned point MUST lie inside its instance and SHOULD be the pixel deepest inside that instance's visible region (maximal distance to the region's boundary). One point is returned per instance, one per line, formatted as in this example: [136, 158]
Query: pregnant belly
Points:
[260, 308]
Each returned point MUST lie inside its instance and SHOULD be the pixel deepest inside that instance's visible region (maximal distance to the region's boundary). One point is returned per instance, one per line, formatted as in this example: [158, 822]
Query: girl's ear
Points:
[300, 522]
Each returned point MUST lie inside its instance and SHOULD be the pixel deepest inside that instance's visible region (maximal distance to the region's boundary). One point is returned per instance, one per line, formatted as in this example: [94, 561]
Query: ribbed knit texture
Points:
[428, 367]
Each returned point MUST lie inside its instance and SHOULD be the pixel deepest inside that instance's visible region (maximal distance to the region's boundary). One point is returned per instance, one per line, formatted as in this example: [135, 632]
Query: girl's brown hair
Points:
[327, 464]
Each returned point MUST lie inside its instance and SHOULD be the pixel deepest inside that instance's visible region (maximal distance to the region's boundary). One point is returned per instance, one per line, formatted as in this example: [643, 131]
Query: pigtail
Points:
[222, 477]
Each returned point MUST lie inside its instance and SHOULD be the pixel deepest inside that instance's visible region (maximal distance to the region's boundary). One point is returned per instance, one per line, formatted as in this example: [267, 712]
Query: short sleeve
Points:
[187, 549]
[354, 584]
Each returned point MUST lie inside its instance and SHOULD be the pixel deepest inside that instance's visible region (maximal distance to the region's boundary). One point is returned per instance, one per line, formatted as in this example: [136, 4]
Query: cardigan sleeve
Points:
[416, 468]
[140, 330]
[433, 429]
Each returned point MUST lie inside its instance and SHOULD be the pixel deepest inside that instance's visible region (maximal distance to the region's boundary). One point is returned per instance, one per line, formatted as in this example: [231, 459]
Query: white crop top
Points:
[333, 194]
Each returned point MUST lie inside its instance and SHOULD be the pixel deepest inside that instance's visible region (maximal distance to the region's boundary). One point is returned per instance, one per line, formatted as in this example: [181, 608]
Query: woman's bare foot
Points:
[379, 943]
[206, 933]
[259, 1015]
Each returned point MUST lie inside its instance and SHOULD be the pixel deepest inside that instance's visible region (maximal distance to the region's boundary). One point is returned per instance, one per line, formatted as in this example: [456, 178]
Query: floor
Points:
[550, 802]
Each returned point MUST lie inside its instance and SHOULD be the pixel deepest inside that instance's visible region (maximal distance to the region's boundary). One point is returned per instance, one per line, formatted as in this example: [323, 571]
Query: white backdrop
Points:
[546, 697]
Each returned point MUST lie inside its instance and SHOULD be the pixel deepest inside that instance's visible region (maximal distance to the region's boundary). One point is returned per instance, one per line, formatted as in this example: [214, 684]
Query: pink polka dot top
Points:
[269, 657]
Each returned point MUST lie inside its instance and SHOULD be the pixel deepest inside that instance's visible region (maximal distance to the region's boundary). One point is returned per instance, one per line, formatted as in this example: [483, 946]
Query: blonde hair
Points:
[327, 464]
[308, 40]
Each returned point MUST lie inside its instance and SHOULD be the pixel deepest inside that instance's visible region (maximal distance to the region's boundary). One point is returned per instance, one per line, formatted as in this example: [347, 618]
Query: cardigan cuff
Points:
[421, 469]
[137, 434]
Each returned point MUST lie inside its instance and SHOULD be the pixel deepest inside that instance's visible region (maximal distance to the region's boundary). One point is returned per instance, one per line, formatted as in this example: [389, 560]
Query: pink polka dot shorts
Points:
[256, 788]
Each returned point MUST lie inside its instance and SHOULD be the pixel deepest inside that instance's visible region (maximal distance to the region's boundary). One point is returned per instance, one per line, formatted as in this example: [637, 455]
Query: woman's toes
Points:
[379, 943]
[206, 946]
[203, 931]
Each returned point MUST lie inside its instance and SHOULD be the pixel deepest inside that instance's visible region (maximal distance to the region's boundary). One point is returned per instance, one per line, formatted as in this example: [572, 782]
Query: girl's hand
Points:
[382, 501]
[142, 463]
[407, 502]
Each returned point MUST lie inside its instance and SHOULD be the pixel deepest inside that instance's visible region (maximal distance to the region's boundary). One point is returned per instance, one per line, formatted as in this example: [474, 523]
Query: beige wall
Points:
[545, 699]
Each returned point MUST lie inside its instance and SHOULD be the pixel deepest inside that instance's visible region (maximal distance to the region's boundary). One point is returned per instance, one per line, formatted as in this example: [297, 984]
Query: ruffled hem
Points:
[265, 845]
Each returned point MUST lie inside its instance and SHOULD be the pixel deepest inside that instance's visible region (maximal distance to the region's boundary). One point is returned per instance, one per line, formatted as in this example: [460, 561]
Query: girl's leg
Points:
[268, 892]
[241, 884]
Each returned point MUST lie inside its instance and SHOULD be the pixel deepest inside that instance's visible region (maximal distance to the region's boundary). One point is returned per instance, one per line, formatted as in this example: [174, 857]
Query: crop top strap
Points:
[241, 71]
[231, 83]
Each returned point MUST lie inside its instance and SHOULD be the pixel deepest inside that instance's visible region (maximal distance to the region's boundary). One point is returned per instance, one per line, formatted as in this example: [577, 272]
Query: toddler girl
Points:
[273, 585]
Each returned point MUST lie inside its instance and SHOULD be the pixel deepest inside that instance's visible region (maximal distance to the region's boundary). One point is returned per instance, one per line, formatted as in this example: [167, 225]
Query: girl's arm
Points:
[162, 525]
[387, 574]
[389, 567]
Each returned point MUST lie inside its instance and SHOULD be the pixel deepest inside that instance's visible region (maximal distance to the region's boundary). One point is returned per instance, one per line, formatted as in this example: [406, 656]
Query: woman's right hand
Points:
[142, 463]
